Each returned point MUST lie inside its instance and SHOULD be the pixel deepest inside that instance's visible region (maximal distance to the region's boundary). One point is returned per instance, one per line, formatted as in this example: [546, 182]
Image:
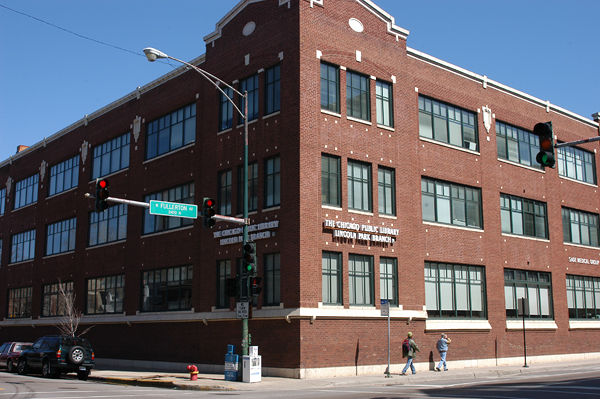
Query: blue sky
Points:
[50, 78]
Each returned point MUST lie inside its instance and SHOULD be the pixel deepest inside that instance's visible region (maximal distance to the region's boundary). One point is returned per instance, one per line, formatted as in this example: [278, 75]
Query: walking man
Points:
[442, 347]
[409, 349]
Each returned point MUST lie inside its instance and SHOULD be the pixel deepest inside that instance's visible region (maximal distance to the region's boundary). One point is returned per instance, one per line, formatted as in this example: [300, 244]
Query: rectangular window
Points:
[583, 297]
[580, 227]
[19, 303]
[223, 273]
[386, 190]
[447, 124]
[361, 280]
[576, 164]
[64, 176]
[108, 226]
[272, 182]
[359, 186]
[331, 191]
[167, 289]
[517, 145]
[385, 105]
[455, 291]
[358, 98]
[26, 191]
[331, 278]
[225, 109]
[23, 246]
[272, 293]
[252, 188]
[155, 223]
[251, 85]
[330, 88]
[105, 295]
[111, 156]
[60, 236]
[272, 90]
[535, 287]
[388, 280]
[451, 203]
[171, 131]
[2, 201]
[224, 192]
[55, 298]
[523, 216]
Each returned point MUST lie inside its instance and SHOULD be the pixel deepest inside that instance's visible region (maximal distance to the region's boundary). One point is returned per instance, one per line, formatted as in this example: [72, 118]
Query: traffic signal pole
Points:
[245, 336]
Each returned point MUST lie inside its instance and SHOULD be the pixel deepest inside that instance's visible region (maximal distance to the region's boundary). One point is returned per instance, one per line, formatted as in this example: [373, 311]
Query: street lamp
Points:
[153, 54]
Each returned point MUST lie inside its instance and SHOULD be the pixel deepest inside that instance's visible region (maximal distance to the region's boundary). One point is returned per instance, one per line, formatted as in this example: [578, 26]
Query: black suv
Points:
[54, 354]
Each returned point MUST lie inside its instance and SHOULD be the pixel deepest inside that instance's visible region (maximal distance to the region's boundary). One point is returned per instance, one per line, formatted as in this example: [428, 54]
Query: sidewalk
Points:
[216, 382]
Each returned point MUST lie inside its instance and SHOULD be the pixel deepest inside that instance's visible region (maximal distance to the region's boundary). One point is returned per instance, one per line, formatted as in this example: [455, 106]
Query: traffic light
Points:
[101, 195]
[255, 286]
[249, 258]
[546, 155]
[208, 211]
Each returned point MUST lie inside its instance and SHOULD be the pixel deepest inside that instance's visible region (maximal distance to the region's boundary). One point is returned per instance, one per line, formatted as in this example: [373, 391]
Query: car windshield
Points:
[21, 347]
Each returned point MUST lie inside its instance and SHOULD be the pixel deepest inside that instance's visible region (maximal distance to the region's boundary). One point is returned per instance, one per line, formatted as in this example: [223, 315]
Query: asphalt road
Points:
[557, 385]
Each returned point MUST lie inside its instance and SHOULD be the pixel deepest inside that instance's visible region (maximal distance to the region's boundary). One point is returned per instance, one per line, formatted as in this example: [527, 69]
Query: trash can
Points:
[232, 364]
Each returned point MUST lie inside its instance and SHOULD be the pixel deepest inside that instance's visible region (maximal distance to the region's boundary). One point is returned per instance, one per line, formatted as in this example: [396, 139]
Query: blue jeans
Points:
[442, 361]
[410, 364]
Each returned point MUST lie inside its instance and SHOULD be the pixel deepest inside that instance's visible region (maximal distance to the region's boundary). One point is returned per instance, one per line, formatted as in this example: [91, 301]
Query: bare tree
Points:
[69, 322]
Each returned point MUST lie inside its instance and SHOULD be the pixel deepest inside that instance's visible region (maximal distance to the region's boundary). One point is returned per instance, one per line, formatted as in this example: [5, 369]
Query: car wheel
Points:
[22, 367]
[83, 374]
[76, 355]
[10, 367]
[47, 370]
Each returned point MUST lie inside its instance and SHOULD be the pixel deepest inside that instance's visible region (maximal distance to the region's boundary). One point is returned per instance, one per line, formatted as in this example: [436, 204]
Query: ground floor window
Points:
[105, 294]
[534, 286]
[455, 291]
[56, 297]
[167, 289]
[583, 297]
[19, 303]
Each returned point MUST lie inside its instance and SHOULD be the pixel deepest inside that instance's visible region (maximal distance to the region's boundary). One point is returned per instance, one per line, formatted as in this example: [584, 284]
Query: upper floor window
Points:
[535, 287]
[224, 193]
[330, 88]
[272, 90]
[105, 294]
[251, 86]
[576, 164]
[358, 98]
[223, 274]
[55, 297]
[517, 145]
[451, 203]
[386, 183]
[583, 297]
[156, 223]
[331, 190]
[22, 246]
[171, 131]
[455, 291]
[331, 278]
[361, 280]
[26, 191]
[523, 216]
[359, 186]
[111, 156]
[2, 201]
[272, 289]
[385, 105]
[225, 109]
[64, 176]
[167, 289]
[19, 303]
[447, 124]
[109, 225]
[388, 280]
[60, 236]
[580, 227]
[252, 188]
[272, 182]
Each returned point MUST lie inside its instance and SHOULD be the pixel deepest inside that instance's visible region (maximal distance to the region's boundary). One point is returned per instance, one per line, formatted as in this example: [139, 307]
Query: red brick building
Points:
[376, 172]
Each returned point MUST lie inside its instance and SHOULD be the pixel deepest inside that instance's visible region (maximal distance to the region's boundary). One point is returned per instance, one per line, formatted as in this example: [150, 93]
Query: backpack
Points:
[405, 346]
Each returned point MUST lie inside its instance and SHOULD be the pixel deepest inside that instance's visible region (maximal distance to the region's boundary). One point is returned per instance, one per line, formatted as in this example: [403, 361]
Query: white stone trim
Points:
[531, 324]
[448, 325]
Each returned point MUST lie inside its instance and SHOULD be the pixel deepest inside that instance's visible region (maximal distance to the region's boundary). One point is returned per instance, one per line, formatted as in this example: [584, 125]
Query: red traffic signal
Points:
[208, 211]
[546, 155]
[102, 195]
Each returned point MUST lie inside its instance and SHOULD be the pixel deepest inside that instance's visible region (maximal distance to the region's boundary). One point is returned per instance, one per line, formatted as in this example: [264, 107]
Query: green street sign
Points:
[175, 209]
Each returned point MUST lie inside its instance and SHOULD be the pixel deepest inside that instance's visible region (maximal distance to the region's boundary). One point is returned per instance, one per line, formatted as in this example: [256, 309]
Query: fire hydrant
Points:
[193, 370]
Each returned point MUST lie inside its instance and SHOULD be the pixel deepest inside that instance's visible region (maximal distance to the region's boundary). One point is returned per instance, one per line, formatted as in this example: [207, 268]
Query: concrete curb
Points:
[159, 383]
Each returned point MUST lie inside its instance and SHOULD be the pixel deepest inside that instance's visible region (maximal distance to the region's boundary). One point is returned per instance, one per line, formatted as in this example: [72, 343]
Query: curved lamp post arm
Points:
[153, 54]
